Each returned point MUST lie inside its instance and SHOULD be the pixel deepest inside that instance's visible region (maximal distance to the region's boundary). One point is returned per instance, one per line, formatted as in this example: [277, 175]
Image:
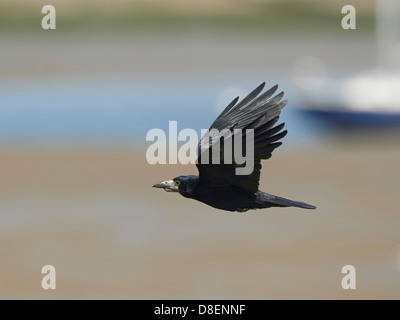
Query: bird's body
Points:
[228, 198]
[219, 185]
[231, 198]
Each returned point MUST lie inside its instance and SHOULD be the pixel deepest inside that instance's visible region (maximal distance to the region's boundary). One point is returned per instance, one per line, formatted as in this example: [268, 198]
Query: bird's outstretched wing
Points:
[257, 112]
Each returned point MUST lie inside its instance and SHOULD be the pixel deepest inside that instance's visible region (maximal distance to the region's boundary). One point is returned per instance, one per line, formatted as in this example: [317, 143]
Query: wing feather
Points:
[256, 111]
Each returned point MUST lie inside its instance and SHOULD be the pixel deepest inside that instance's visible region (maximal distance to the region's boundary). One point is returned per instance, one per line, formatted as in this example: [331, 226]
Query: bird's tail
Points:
[274, 201]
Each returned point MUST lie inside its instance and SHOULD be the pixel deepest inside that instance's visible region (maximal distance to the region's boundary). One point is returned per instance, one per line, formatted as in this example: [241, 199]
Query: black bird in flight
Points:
[218, 185]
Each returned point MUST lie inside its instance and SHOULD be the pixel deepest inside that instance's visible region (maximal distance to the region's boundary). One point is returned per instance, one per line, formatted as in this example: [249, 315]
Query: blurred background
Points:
[75, 188]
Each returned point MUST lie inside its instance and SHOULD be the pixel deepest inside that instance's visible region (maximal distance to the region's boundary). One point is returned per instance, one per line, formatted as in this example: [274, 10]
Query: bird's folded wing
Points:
[256, 112]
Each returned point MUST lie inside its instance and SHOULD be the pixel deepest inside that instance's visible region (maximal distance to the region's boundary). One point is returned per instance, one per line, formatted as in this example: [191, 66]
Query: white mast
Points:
[387, 28]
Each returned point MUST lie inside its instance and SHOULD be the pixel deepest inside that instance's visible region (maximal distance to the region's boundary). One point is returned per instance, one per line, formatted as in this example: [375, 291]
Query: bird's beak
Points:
[169, 186]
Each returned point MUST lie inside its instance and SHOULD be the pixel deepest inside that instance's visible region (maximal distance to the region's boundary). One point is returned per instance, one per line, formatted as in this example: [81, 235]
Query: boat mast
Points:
[387, 31]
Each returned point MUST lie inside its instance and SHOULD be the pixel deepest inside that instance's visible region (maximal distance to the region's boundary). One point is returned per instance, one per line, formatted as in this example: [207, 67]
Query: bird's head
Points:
[183, 184]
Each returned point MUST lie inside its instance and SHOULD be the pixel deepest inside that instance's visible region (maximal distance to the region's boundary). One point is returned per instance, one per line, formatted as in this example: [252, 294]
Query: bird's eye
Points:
[177, 182]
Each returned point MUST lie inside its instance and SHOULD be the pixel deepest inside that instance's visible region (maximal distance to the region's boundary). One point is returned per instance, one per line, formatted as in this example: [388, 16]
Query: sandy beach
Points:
[94, 216]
